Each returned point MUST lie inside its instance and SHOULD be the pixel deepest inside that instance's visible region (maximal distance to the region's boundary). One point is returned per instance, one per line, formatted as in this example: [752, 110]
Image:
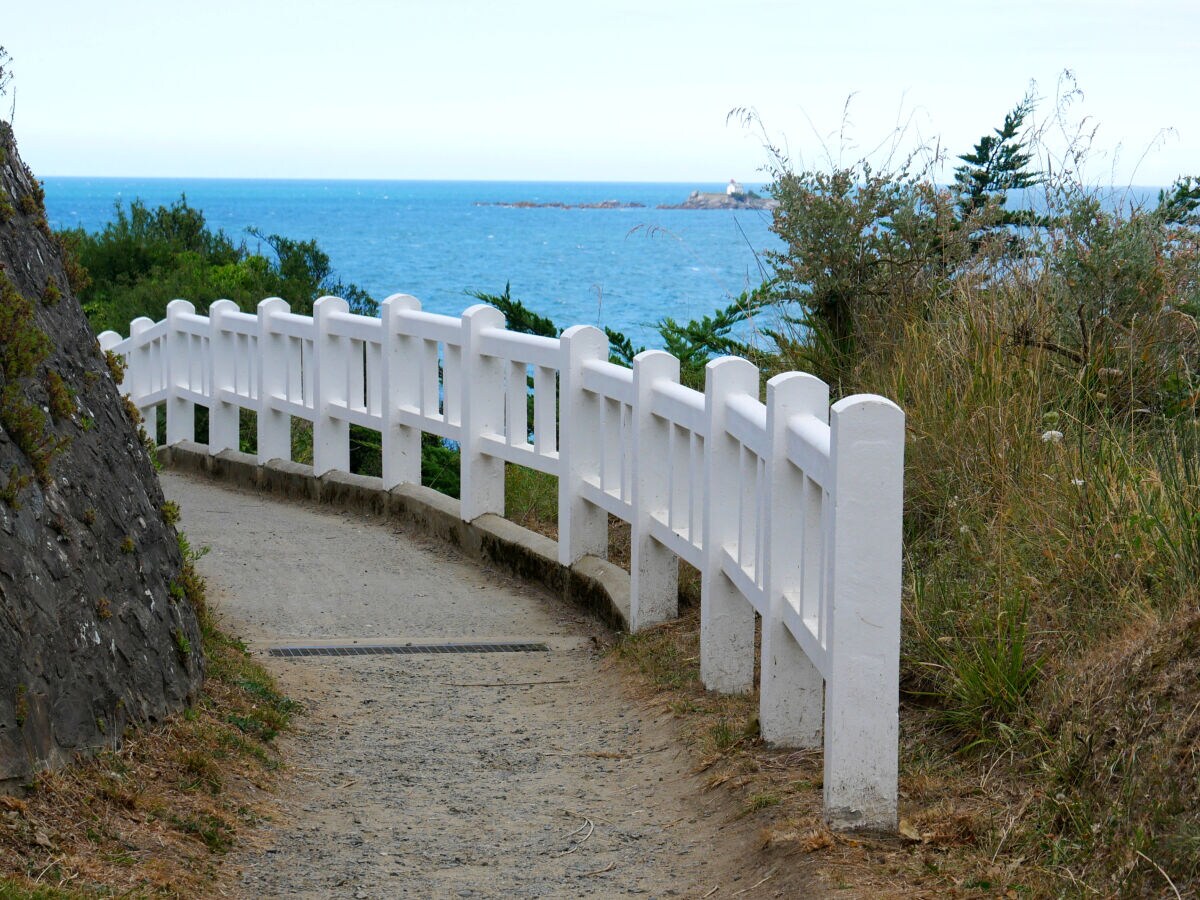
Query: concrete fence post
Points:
[398, 387]
[653, 569]
[482, 476]
[582, 527]
[274, 427]
[181, 413]
[222, 370]
[862, 695]
[331, 435]
[791, 687]
[726, 617]
[138, 375]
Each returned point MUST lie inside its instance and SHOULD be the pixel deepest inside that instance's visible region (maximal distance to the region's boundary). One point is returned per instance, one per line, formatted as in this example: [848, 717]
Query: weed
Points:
[116, 368]
[77, 276]
[15, 483]
[127, 545]
[170, 512]
[61, 397]
[215, 833]
[531, 499]
[21, 705]
[183, 646]
[200, 771]
[23, 347]
[89, 516]
[51, 293]
[765, 800]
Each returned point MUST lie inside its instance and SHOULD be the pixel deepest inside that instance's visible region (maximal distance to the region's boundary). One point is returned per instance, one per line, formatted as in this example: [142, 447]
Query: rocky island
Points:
[736, 200]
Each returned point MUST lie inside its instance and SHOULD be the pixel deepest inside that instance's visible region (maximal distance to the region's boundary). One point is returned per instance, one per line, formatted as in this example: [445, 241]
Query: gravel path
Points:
[469, 775]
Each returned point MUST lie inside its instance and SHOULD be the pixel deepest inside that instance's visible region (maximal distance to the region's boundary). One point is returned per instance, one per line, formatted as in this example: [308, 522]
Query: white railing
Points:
[790, 509]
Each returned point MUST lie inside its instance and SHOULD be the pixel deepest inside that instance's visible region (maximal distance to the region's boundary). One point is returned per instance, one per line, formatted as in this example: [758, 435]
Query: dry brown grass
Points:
[946, 805]
[155, 816]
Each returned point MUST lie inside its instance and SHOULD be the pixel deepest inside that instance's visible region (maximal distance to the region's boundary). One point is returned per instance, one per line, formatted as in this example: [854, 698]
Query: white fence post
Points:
[223, 417]
[726, 617]
[274, 426]
[331, 436]
[107, 340]
[398, 387]
[862, 695]
[791, 691]
[181, 414]
[582, 527]
[482, 476]
[137, 376]
[653, 569]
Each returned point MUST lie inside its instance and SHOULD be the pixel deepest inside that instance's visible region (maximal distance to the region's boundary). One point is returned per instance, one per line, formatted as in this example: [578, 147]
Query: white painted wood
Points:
[653, 568]
[399, 388]
[181, 413]
[582, 525]
[791, 689]
[482, 475]
[274, 426]
[726, 618]
[331, 430]
[786, 509]
[862, 697]
[222, 348]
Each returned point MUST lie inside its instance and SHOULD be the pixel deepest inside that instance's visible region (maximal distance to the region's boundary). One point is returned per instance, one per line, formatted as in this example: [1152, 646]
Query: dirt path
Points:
[464, 775]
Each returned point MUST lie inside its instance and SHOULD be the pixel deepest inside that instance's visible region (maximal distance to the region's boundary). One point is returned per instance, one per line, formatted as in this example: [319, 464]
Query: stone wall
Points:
[92, 639]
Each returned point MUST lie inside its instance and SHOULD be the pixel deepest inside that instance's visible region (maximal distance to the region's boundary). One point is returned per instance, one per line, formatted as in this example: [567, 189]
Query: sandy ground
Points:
[471, 775]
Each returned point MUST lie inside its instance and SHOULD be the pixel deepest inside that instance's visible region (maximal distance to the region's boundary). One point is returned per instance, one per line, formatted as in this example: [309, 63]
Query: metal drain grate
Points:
[407, 649]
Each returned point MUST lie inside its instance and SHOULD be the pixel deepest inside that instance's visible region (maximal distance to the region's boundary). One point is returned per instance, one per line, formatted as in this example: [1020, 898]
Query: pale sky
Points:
[597, 91]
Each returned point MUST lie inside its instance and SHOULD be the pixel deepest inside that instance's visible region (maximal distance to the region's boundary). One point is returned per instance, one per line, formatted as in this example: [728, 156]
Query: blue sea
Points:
[623, 268]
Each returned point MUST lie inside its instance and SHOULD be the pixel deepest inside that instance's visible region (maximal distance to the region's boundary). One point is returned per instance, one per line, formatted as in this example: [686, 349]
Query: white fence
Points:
[791, 509]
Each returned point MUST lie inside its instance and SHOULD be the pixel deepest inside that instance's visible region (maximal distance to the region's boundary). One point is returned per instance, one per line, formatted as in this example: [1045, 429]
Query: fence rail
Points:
[790, 509]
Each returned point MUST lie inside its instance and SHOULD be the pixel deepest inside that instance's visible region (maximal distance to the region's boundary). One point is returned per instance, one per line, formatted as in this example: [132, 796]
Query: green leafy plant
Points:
[51, 293]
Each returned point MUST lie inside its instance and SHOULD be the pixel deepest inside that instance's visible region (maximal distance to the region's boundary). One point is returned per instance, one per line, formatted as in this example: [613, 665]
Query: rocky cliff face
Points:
[94, 634]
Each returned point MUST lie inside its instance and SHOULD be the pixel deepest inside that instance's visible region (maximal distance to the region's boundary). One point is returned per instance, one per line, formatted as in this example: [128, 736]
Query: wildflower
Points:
[1052, 437]
[1078, 482]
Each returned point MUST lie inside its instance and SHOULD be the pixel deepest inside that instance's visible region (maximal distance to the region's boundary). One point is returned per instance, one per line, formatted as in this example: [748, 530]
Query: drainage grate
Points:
[409, 649]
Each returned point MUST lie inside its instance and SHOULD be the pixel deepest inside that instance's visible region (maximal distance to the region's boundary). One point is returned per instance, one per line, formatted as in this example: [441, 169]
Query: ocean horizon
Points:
[625, 268]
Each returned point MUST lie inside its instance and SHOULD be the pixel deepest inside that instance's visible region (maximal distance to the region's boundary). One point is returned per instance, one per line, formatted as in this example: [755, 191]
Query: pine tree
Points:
[999, 164]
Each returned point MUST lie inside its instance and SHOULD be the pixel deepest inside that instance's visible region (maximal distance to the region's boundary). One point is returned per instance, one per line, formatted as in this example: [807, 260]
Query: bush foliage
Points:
[1048, 362]
[144, 258]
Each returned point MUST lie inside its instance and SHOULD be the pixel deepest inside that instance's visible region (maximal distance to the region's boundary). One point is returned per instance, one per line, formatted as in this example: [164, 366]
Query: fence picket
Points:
[726, 619]
[181, 413]
[331, 434]
[653, 569]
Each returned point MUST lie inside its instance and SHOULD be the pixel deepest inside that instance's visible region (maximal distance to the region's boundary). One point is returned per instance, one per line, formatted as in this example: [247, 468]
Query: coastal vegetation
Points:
[1041, 335]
